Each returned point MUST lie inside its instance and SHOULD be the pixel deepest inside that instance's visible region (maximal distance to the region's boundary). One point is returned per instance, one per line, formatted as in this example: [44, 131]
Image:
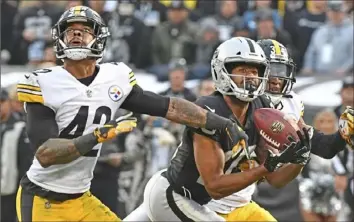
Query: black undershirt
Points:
[41, 124]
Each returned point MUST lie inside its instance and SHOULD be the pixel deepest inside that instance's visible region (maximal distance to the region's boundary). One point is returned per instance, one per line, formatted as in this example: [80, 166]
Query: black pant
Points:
[106, 190]
[8, 208]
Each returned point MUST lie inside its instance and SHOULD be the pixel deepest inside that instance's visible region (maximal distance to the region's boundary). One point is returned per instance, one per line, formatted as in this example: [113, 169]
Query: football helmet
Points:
[80, 14]
[281, 67]
[231, 53]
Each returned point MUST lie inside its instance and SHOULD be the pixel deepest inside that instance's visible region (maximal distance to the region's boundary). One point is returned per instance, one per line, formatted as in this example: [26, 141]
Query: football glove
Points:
[123, 124]
[346, 126]
[298, 153]
[237, 137]
[303, 150]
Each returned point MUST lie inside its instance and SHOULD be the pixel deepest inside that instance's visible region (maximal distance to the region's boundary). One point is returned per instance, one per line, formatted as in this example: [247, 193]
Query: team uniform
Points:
[61, 192]
[179, 190]
[239, 206]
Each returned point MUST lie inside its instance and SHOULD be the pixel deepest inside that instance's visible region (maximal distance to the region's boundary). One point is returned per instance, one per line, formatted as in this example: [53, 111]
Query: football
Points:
[275, 127]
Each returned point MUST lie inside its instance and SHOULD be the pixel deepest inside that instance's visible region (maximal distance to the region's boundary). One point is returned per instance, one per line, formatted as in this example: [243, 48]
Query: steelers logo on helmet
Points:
[282, 69]
[240, 69]
[115, 93]
[80, 34]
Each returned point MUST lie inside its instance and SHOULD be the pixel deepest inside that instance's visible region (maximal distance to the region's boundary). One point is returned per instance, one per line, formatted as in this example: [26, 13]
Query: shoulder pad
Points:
[210, 103]
[123, 69]
[28, 89]
[298, 103]
[264, 101]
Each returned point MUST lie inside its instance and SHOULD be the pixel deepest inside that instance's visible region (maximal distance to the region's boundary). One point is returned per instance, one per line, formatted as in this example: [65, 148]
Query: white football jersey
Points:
[292, 106]
[79, 109]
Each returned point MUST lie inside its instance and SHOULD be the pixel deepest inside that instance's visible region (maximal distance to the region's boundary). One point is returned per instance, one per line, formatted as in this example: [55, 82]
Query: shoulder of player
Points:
[263, 101]
[121, 69]
[30, 86]
[211, 103]
[296, 99]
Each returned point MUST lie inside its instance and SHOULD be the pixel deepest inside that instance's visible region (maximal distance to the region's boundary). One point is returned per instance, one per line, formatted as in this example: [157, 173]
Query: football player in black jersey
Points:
[207, 165]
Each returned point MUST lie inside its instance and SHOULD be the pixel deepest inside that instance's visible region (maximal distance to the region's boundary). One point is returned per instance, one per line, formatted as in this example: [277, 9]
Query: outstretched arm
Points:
[175, 109]
[325, 146]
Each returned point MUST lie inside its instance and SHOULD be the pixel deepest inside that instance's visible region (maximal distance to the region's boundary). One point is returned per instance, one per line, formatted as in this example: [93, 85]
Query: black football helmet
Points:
[80, 14]
[281, 67]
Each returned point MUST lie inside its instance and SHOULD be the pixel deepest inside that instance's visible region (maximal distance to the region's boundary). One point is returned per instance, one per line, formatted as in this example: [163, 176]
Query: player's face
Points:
[275, 85]
[246, 74]
[78, 34]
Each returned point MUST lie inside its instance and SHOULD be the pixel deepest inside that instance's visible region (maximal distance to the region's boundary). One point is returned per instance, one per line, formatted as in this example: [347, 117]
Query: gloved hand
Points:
[298, 153]
[303, 150]
[123, 124]
[238, 138]
[346, 126]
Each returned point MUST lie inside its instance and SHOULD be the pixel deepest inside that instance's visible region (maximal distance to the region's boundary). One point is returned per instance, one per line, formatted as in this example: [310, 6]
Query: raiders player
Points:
[205, 164]
[69, 111]
[238, 206]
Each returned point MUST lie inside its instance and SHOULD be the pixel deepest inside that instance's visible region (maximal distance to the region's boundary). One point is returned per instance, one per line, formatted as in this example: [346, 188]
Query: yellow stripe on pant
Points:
[85, 208]
[249, 212]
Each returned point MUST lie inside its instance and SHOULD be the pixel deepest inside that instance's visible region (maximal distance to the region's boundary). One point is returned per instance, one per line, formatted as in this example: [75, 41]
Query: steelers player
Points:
[69, 114]
[238, 206]
[205, 165]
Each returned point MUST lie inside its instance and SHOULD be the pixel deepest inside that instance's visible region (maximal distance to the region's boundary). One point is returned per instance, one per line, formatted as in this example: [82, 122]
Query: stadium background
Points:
[164, 53]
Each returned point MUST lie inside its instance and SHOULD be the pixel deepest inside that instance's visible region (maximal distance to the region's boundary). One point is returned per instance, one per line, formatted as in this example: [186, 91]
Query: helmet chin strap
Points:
[251, 89]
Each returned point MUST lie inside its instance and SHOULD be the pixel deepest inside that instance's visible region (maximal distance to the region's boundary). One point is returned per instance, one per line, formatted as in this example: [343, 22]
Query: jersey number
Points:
[80, 122]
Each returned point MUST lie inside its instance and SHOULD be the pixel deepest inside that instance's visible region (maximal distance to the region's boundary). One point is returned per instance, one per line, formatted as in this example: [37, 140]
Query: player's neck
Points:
[80, 69]
[239, 108]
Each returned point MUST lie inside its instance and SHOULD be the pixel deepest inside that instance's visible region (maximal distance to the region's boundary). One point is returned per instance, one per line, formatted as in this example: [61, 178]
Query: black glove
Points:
[298, 153]
[302, 155]
[238, 138]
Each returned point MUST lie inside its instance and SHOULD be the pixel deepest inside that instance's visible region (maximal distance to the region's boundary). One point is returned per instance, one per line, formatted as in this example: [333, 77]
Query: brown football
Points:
[275, 127]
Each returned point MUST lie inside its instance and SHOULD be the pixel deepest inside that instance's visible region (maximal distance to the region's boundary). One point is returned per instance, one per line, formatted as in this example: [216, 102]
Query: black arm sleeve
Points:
[327, 146]
[145, 102]
[25, 154]
[41, 124]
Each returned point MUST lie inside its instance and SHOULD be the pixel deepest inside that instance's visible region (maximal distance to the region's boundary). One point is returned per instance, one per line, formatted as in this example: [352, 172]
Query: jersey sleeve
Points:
[29, 90]
[126, 75]
[299, 104]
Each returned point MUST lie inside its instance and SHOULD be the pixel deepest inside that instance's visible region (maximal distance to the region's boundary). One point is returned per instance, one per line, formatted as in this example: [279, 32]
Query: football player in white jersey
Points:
[238, 206]
[69, 111]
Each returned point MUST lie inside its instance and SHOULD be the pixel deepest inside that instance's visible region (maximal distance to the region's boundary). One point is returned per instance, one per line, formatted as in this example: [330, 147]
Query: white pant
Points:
[138, 215]
[163, 204]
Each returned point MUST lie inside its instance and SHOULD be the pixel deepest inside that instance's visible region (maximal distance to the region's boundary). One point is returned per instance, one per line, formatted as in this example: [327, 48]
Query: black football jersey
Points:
[183, 171]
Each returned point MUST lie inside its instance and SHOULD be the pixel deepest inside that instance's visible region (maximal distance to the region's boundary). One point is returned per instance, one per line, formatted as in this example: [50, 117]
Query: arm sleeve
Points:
[326, 146]
[145, 102]
[41, 124]
[25, 154]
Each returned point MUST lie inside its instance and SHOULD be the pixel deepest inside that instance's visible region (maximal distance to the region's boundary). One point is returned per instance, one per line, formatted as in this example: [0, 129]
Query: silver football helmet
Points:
[239, 51]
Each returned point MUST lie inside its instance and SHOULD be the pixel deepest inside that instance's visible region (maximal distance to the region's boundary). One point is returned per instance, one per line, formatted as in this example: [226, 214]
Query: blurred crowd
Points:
[175, 40]
[148, 34]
